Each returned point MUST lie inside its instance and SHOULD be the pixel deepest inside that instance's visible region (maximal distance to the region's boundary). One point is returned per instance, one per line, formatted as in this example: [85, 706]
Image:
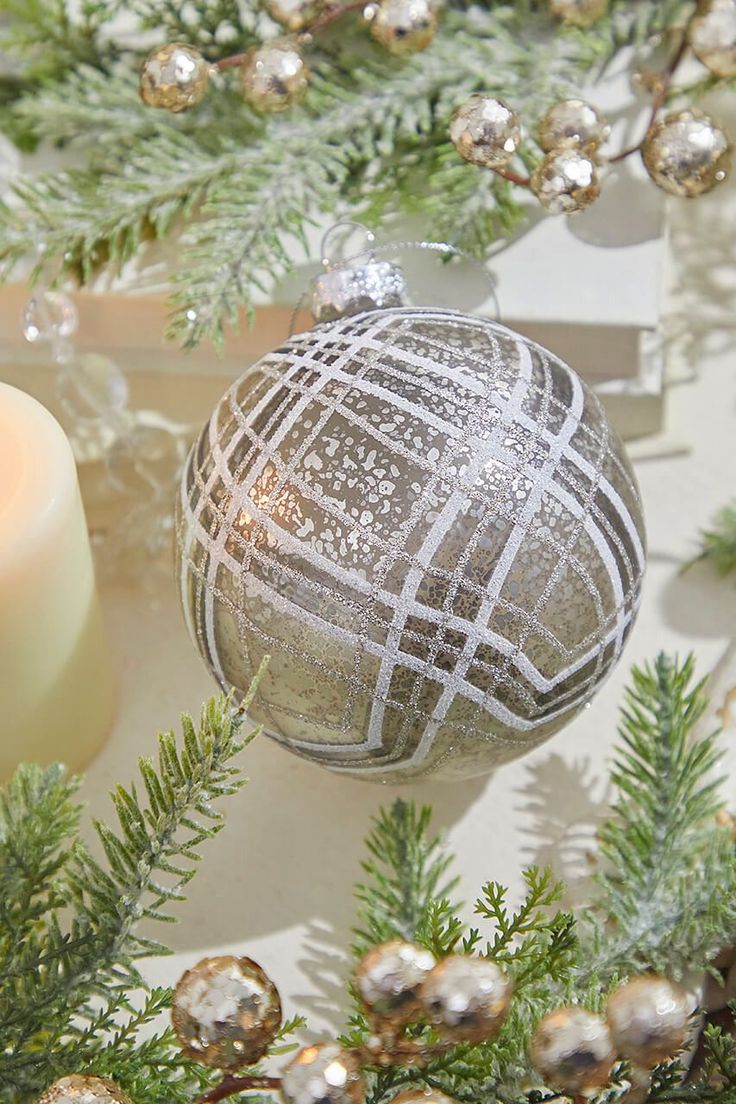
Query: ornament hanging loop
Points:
[363, 281]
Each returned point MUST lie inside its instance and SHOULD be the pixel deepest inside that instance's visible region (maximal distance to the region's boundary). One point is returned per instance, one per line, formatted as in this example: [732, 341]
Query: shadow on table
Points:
[292, 849]
[700, 603]
[564, 803]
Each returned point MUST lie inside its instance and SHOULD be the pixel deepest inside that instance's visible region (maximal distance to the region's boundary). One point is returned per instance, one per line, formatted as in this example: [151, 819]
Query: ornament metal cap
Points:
[356, 283]
[351, 289]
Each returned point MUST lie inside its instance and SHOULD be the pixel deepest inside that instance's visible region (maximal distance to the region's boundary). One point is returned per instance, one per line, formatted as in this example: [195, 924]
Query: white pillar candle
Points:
[56, 686]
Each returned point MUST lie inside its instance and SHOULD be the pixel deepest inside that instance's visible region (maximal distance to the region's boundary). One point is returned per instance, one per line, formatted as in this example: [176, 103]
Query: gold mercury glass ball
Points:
[80, 1088]
[572, 124]
[323, 1074]
[712, 36]
[226, 1012]
[403, 26]
[649, 1019]
[579, 13]
[572, 1050]
[566, 181]
[295, 15]
[390, 977]
[686, 154]
[174, 77]
[466, 998]
[485, 131]
[274, 76]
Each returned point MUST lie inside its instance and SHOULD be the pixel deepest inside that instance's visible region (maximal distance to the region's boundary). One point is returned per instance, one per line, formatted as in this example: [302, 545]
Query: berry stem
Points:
[231, 1084]
[514, 178]
[665, 83]
[333, 13]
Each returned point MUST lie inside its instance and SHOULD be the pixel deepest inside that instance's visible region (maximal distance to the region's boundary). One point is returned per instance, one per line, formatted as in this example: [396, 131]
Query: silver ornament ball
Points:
[572, 124]
[485, 131]
[566, 181]
[323, 1074]
[686, 154]
[466, 998]
[572, 1050]
[174, 77]
[226, 1012]
[83, 1088]
[712, 35]
[389, 979]
[428, 524]
[649, 1019]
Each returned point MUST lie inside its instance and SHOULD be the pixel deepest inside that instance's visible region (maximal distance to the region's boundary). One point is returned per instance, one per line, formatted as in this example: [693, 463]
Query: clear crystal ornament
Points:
[92, 388]
[48, 316]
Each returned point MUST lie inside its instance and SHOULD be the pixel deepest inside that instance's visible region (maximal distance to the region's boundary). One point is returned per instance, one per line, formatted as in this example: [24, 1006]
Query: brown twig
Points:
[665, 83]
[329, 17]
[231, 1084]
[514, 178]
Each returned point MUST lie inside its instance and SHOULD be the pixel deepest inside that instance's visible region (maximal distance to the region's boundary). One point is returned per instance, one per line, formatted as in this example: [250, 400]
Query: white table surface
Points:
[276, 884]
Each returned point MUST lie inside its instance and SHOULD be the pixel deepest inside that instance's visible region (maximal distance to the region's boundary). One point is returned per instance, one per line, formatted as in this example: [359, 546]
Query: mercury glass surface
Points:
[427, 523]
[572, 124]
[712, 35]
[649, 1018]
[323, 1074]
[174, 77]
[466, 998]
[390, 976]
[274, 76]
[572, 1050]
[566, 181]
[403, 26]
[686, 154]
[78, 1088]
[485, 131]
[226, 1011]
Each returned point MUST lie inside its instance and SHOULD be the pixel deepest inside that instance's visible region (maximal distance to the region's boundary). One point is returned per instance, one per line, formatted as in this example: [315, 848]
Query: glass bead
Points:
[49, 315]
[91, 387]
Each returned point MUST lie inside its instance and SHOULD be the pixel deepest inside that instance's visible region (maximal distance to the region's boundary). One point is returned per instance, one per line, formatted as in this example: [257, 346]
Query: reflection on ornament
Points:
[295, 15]
[649, 1019]
[389, 979]
[579, 13]
[323, 1074]
[485, 131]
[572, 1050]
[466, 998]
[566, 181]
[572, 124]
[455, 543]
[402, 26]
[712, 34]
[174, 77]
[226, 1012]
[274, 76]
[686, 154]
[79, 1088]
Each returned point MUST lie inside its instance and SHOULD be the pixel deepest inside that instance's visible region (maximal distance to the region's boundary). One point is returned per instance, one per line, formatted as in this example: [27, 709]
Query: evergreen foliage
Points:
[72, 999]
[718, 543]
[238, 189]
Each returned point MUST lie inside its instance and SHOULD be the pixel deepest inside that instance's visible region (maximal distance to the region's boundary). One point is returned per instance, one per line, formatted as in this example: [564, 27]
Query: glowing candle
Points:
[56, 687]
